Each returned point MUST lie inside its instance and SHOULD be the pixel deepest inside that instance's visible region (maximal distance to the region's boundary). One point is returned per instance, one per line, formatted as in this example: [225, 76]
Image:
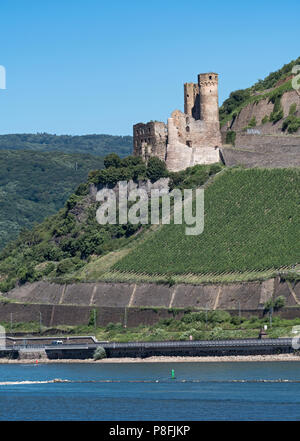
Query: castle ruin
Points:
[189, 138]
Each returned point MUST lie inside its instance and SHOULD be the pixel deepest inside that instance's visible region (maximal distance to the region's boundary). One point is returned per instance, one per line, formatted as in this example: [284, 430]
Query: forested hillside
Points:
[34, 185]
[68, 240]
[99, 145]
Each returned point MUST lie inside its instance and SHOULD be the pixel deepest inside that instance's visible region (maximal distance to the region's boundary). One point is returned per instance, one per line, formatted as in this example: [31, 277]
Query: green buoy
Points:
[173, 374]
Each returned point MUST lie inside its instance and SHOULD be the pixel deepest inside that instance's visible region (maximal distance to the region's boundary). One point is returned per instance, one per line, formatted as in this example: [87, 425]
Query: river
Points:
[145, 391]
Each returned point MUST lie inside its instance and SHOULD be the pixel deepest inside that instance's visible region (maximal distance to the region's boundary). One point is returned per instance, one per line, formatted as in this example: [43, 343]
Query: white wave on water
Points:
[10, 383]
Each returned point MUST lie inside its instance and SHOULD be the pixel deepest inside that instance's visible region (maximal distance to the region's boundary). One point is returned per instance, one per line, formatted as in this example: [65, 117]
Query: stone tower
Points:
[190, 137]
[208, 92]
[191, 100]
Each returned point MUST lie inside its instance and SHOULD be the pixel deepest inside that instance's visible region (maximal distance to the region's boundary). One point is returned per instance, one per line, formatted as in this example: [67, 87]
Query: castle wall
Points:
[192, 137]
[196, 133]
[188, 148]
[192, 100]
[150, 140]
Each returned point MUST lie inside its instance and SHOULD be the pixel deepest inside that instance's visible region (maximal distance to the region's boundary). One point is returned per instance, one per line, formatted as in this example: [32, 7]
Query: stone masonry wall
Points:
[264, 108]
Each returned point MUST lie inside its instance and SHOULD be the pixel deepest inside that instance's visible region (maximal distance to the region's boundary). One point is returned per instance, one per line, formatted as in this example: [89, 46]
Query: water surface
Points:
[145, 391]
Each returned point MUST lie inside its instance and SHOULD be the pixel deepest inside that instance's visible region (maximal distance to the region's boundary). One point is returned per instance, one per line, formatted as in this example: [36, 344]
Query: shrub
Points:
[82, 189]
[193, 317]
[65, 266]
[291, 124]
[8, 284]
[277, 112]
[265, 119]
[276, 304]
[170, 281]
[93, 317]
[230, 137]
[236, 320]
[252, 122]
[71, 202]
[293, 109]
[217, 333]
[186, 334]
[214, 168]
[26, 274]
[114, 327]
[49, 268]
[99, 353]
[279, 302]
[219, 316]
[276, 116]
[294, 126]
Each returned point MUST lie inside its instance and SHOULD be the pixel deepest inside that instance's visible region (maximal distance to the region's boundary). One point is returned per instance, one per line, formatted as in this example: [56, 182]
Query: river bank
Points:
[219, 359]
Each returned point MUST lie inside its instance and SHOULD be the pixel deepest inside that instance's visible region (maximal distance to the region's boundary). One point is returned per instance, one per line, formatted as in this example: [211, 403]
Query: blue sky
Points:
[93, 66]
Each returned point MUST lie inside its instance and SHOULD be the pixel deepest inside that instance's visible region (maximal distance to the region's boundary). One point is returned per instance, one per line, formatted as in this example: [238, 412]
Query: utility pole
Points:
[40, 322]
[271, 312]
[125, 317]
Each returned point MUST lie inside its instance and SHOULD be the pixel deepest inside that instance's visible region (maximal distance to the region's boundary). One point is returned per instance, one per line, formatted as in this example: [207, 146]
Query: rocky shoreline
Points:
[219, 359]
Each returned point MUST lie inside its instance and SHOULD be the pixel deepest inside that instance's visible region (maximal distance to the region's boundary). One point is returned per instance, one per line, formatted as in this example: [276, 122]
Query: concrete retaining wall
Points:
[247, 295]
[131, 317]
[132, 304]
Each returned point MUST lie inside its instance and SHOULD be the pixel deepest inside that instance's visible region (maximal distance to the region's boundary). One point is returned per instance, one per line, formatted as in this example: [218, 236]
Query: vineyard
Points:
[252, 225]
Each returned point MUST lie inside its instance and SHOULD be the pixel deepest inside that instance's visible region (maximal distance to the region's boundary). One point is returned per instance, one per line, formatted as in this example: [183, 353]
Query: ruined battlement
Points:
[150, 140]
[190, 137]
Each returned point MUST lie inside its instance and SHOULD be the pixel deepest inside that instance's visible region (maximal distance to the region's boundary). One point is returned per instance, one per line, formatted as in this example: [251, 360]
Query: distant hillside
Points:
[34, 185]
[99, 145]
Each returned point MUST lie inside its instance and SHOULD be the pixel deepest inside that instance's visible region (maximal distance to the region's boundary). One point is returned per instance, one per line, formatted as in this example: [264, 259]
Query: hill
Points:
[34, 185]
[72, 238]
[271, 89]
[99, 145]
[260, 125]
[251, 232]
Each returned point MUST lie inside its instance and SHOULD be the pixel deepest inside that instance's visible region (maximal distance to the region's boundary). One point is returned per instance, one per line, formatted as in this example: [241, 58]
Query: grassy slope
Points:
[252, 223]
[219, 326]
[34, 185]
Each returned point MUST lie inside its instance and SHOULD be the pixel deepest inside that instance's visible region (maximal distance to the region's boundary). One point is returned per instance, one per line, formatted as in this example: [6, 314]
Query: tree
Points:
[276, 304]
[112, 160]
[156, 169]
